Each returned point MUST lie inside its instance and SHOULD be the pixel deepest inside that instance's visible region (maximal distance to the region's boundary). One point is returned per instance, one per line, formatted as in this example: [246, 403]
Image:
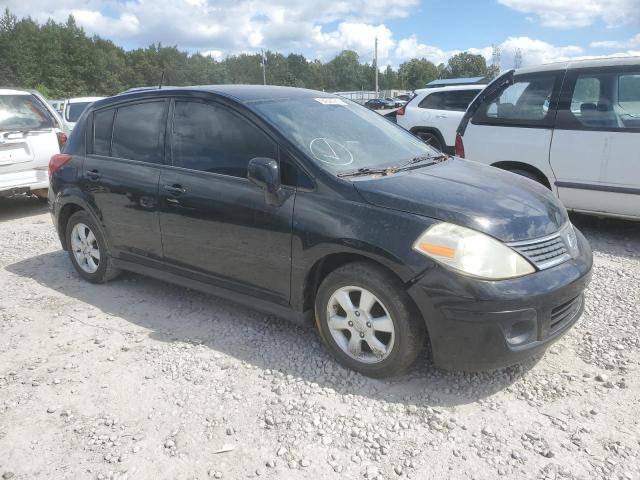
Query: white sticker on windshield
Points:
[330, 101]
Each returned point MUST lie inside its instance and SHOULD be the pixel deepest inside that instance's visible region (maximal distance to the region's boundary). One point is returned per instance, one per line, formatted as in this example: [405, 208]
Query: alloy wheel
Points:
[360, 324]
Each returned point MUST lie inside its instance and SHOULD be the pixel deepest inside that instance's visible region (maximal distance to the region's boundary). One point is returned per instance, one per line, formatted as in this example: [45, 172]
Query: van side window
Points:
[138, 132]
[212, 138]
[606, 100]
[102, 128]
[526, 102]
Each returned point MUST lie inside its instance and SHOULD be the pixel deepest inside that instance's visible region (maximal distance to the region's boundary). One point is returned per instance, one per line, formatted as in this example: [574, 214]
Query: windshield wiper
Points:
[367, 171]
[432, 159]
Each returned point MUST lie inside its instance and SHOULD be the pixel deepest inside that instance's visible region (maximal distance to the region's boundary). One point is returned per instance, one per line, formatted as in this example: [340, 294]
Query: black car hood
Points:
[501, 204]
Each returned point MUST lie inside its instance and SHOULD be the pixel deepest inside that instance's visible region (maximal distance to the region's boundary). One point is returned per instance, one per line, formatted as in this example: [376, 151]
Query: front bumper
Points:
[483, 325]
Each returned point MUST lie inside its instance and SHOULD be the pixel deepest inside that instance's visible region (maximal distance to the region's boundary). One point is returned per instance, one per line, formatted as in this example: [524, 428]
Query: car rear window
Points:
[74, 110]
[23, 112]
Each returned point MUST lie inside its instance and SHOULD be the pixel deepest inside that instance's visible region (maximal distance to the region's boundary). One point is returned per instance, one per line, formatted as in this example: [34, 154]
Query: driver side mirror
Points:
[265, 173]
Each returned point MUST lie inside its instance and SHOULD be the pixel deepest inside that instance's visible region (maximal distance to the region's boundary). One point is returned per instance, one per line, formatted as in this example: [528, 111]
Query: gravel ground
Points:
[139, 379]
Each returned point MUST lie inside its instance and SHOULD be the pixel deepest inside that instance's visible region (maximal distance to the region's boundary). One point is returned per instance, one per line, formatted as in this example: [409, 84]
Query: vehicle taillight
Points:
[57, 161]
[400, 111]
[459, 146]
[62, 139]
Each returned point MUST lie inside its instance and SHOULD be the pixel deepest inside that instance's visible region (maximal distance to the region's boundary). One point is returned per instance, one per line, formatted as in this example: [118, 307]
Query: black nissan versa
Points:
[310, 207]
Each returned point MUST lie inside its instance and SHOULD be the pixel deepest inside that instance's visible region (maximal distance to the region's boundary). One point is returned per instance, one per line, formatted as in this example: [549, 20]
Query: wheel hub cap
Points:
[360, 324]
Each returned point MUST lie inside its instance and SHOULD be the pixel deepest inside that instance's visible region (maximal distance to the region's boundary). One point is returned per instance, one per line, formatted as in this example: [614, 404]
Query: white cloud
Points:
[410, 48]
[317, 28]
[630, 43]
[125, 25]
[578, 13]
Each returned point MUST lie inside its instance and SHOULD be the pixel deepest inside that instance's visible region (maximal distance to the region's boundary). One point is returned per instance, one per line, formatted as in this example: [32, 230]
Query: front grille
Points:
[543, 252]
[565, 313]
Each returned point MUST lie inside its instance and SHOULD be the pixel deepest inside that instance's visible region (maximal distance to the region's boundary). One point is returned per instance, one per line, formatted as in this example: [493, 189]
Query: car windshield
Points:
[342, 136]
[23, 112]
[74, 110]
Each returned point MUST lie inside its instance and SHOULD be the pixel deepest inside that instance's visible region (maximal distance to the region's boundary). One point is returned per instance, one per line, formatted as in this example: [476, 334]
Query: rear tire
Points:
[529, 175]
[88, 249]
[430, 139]
[381, 336]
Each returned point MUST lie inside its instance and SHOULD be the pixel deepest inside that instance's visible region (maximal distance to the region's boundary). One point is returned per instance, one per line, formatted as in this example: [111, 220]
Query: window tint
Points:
[606, 100]
[433, 101]
[138, 132]
[526, 100]
[102, 127]
[74, 110]
[455, 100]
[211, 138]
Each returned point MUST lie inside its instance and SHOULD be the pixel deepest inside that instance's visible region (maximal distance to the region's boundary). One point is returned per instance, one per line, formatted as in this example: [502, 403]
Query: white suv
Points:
[72, 108]
[573, 127]
[435, 113]
[29, 135]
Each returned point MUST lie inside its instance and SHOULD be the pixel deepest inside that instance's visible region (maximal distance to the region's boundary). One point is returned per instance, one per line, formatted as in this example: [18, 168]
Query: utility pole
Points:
[264, 67]
[375, 64]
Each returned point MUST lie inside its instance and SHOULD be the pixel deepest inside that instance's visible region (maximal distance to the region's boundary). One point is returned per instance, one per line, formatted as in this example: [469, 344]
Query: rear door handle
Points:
[174, 189]
[93, 174]
[441, 116]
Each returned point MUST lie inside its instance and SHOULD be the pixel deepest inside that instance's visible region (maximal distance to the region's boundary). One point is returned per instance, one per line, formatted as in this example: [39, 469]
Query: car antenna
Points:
[161, 80]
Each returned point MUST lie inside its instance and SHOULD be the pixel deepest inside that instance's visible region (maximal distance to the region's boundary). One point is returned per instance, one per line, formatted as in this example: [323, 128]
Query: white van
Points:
[573, 127]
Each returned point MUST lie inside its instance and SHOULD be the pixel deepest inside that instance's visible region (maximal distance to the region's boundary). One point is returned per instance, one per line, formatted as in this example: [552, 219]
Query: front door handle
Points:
[441, 116]
[93, 174]
[174, 189]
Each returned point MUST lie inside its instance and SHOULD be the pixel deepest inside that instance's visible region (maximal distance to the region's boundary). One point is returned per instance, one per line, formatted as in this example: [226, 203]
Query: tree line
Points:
[60, 60]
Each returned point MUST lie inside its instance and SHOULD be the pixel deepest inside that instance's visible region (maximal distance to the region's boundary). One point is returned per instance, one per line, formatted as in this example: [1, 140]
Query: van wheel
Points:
[430, 139]
[368, 321]
[87, 249]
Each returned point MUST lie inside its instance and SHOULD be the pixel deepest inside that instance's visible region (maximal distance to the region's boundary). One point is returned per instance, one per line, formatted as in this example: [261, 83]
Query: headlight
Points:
[471, 252]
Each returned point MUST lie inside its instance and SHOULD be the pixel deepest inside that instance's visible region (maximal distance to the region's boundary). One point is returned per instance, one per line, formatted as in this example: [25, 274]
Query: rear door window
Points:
[458, 100]
[528, 101]
[601, 99]
[102, 128]
[23, 112]
[138, 132]
[212, 138]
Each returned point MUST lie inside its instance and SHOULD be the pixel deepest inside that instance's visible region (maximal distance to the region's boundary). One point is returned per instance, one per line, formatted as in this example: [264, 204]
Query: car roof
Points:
[12, 91]
[476, 86]
[581, 63]
[239, 93]
[83, 99]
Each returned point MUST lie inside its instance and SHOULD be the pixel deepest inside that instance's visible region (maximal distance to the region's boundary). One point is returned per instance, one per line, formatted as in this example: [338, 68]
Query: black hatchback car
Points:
[311, 207]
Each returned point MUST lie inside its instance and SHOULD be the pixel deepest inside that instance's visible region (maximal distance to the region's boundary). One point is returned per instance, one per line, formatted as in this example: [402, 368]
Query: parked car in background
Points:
[573, 126]
[57, 105]
[378, 104]
[73, 108]
[29, 136]
[404, 97]
[396, 102]
[434, 114]
[389, 244]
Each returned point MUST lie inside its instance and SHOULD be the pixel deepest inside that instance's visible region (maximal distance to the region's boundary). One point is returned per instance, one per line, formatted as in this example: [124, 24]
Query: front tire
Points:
[87, 249]
[367, 320]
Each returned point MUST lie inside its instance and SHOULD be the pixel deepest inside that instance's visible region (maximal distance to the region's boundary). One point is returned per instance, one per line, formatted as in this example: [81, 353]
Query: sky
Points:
[542, 30]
